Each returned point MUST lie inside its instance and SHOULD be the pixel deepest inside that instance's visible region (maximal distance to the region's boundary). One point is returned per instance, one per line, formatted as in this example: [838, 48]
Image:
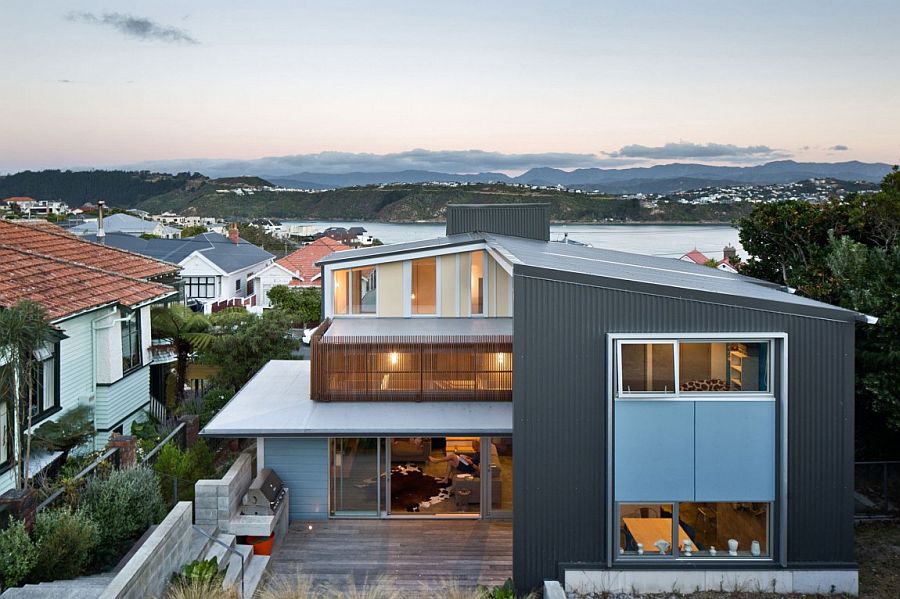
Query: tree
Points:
[188, 331]
[846, 253]
[24, 331]
[303, 304]
[245, 342]
[193, 230]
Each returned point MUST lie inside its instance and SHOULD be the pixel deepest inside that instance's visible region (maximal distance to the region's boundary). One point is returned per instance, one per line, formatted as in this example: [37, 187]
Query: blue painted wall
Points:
[302, 464]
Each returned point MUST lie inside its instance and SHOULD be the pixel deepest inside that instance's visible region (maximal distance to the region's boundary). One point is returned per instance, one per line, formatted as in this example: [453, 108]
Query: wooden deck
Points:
[416, 555]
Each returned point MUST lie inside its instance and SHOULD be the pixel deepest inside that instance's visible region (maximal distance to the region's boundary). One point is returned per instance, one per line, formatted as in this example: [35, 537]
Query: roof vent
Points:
[531, 221]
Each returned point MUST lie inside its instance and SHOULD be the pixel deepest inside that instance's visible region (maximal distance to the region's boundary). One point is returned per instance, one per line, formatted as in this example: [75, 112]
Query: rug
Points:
[412, 490]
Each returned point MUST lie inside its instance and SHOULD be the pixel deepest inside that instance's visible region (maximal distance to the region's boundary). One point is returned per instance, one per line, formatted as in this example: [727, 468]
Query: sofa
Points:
[473, 485]
[410, 449]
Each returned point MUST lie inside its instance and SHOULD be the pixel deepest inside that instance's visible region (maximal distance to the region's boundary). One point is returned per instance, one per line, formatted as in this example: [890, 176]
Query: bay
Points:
[658, 240]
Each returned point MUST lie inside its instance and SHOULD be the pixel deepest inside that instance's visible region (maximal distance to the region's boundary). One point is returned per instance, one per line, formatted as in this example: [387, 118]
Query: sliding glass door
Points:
[356, 477]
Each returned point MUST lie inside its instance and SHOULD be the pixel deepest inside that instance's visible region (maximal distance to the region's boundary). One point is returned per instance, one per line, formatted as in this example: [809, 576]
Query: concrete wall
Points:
[164, 552]
[302, 464]
[217, 500]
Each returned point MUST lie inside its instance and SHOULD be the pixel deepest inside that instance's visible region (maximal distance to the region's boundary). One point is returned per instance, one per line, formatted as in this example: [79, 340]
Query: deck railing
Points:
[420, 368]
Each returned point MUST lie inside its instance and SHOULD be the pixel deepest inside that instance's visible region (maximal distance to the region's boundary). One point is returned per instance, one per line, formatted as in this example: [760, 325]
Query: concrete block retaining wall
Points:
[216, 500]
[164, 552]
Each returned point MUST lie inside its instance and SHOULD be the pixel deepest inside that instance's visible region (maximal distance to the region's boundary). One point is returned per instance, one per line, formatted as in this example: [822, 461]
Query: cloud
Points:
[138, 27]
[64, 81]
[446, 161]
[683, 149]
[839, 148]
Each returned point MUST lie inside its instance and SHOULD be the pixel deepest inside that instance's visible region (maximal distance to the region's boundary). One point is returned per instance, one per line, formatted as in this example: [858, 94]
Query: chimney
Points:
[233, 234]
[729, 252]
[101, 234]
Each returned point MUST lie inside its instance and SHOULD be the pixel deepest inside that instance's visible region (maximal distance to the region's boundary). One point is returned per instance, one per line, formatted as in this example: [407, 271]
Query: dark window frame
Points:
[194, 285]
[133, 359]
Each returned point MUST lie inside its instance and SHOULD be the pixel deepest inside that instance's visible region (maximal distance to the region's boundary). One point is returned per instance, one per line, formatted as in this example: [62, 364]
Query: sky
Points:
[472, 85]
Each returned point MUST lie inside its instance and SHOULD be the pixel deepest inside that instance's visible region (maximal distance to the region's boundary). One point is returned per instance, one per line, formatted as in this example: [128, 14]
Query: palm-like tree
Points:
[188, 331]
[24, 331]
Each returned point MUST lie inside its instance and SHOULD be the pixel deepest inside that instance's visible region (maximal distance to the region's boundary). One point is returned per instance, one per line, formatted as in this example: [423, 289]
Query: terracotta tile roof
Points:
[49, 240]
[696, 256]
[303, 261]
[65, 288]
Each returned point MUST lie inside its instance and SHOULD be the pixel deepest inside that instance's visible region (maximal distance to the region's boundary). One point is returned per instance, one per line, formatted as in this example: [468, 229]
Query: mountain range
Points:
[663, 178]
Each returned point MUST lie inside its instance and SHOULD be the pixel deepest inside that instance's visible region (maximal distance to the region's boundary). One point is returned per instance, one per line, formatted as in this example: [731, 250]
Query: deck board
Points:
[415, 555]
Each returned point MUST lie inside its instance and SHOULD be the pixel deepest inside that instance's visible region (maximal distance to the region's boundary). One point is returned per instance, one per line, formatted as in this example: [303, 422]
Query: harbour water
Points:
[658, 240]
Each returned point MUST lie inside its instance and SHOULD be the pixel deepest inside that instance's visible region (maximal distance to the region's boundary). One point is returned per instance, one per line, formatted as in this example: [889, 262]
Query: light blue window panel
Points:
[654, 450]
[302, 464]
[735, 451]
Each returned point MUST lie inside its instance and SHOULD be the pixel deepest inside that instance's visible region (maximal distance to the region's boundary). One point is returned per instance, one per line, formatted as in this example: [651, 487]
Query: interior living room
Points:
[427, 476]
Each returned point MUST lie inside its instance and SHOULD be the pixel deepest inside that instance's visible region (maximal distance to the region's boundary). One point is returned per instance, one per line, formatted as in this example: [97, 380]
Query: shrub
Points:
[186, 466]
[124, 504]
[199, 589]
[17, 554]
[214, 400]
[65, 542]
[200, 571]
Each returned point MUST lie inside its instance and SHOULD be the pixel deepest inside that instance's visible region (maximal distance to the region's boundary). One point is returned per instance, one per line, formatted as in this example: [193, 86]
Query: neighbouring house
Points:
[729, 262]
[646, 423]
[99, 299]
[297, 269]
[31, 208]
[216, 270]
[129, 225]
[353, 235]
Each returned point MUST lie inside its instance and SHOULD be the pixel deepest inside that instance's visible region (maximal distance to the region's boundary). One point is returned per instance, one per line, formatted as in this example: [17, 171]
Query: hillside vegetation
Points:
[195, 194]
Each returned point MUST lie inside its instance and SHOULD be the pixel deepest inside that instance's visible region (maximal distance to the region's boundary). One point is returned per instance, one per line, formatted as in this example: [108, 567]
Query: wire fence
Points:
[877, 489]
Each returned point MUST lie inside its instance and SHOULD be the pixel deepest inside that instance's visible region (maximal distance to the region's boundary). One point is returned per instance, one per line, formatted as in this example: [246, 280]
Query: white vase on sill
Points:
[754, 548]
[712, 550]
[732, 546]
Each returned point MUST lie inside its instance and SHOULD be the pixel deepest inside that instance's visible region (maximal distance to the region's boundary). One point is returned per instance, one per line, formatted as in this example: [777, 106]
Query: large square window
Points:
[723, 366]
[424, 286]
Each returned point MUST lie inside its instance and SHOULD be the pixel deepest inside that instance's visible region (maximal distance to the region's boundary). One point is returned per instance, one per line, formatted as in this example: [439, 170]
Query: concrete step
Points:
[47, 590]
[233, 573]
[254, 574]
[200, 542]
[215, 550]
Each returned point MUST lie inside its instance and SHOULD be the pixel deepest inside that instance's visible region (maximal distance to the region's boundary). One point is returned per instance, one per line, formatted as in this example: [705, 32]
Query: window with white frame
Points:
[423, 296]
[694, 426]
[131, 340]
[355, 291]
[5, 440]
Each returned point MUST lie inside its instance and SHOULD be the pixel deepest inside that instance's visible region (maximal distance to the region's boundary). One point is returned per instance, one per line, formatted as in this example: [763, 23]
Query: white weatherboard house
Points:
[99, 300]
[216, 270]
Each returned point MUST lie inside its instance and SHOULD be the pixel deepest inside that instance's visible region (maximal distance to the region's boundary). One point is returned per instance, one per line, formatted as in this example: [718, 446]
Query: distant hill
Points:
[330, 181]
[242, 182]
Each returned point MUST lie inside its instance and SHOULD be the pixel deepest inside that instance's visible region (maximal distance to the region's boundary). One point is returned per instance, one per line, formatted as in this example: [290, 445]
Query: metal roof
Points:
[417, 327]
[276, 403]
[228, 256]
[654, 271]
[402, 248]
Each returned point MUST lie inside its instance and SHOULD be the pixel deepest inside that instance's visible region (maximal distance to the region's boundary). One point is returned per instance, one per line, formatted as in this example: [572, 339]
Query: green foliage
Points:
[202, 571]
[149, 236]
[258, 236]
[846, 253]
[214, 399]
[304, 305]
[187, 467]
[187, 330]
[193, 230]
[125, 503]
[65, 543]
[505, 591]
[73, 428]
[117, 188]
[17, 554]
[245, 343]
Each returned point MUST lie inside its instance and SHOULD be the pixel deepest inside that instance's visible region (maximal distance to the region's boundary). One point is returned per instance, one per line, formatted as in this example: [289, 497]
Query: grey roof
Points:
[276, 403]
[401, 248]
[228, 256]
[416, 327]
[624, 267]
[652, 270]
[119, 223]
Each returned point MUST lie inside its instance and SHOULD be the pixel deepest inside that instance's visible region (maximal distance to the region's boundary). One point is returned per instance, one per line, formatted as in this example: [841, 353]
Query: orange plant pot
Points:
[262, 545]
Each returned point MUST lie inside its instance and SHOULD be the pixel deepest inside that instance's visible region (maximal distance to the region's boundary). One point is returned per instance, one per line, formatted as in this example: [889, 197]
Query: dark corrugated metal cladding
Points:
[560, 419]
[531, 221]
